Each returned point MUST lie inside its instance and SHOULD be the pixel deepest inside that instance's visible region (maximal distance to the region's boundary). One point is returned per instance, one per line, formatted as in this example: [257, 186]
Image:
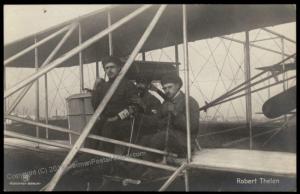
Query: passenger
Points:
[172, 115]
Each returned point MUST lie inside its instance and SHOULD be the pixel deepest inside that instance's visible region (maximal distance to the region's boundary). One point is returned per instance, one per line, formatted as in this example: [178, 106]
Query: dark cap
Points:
[111, 59]
[171, 78]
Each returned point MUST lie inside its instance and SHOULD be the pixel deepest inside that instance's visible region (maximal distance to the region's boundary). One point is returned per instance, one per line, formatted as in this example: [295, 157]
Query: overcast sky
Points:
[23, 20]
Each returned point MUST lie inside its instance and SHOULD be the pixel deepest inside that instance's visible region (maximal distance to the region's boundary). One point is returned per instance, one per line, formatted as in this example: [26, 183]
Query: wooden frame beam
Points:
[103, 103]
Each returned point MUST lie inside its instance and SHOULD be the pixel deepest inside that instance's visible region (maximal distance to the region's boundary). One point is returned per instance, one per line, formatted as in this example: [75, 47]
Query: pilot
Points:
[114, 122]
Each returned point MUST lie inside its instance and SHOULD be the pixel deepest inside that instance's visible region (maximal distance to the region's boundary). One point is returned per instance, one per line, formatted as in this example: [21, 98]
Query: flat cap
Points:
[112, 59]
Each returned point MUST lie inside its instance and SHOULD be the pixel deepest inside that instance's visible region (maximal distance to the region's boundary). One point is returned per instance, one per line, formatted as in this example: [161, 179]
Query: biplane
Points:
[126, 31]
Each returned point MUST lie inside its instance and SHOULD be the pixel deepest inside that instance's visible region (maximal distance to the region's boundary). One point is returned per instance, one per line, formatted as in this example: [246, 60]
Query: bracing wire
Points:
[199, 89]
[171, 60]
[55, 89]
[197, 86]
[220, 74]
[228, 49]
[205, 63]
[257, 34]
[60, 81]
[198, 52]
[65, 88]
[235, 75]
[230, 99]
[237, 128]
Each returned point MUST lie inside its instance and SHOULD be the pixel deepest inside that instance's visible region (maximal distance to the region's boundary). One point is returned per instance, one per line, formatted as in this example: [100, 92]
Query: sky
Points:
[206, 84]
[29, 19]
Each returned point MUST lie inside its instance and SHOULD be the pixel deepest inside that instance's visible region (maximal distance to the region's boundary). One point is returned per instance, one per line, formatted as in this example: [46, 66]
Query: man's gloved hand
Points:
[124, 114]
